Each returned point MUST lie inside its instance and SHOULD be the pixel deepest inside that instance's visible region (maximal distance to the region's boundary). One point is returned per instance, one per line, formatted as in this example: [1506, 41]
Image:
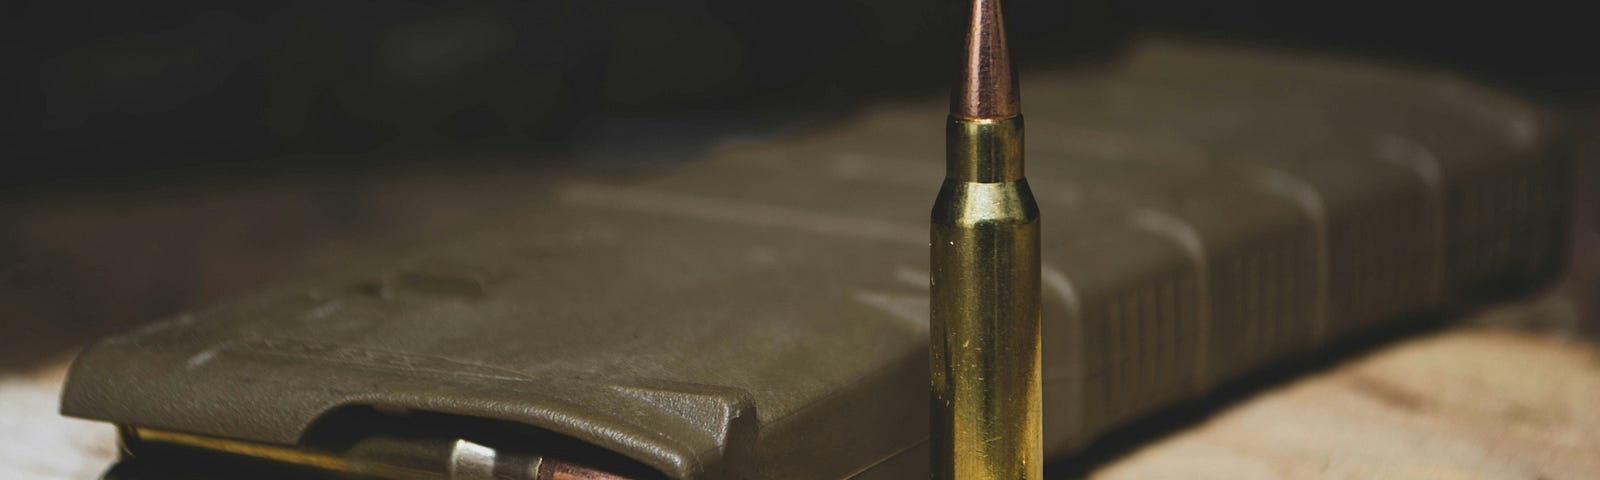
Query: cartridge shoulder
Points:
[974, 203]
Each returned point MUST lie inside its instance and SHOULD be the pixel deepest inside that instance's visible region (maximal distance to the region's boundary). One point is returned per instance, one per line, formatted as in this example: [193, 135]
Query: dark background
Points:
[160, 156]
[129, 93]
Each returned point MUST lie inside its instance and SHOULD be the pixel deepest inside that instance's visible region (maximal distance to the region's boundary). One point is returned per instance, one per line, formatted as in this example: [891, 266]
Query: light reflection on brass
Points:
[388, 457]
[985, 283]
[286, 455]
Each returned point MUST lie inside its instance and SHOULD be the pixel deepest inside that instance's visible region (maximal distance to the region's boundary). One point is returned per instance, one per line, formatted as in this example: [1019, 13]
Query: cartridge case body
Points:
[985, 311]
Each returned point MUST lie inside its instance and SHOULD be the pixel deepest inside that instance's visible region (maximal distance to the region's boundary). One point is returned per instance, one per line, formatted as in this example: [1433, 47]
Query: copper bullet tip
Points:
[559, 470]
[986, 87]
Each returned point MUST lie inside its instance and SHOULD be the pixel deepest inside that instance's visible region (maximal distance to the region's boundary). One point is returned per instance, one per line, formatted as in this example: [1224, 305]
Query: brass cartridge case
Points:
[985, 309]
[388, 457]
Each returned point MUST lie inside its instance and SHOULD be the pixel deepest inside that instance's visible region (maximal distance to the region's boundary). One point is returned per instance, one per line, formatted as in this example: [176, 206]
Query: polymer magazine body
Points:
[762, 312]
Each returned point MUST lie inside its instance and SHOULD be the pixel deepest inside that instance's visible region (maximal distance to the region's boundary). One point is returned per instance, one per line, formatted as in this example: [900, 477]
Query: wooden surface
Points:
[35, 442]
[1472, 402]
[1481, 400]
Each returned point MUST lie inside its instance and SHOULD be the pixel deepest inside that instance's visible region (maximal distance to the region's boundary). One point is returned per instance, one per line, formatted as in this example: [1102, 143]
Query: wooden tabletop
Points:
[1472, 402]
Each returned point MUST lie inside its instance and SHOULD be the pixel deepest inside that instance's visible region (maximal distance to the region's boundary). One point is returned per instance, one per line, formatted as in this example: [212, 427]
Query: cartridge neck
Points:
[983, 151]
